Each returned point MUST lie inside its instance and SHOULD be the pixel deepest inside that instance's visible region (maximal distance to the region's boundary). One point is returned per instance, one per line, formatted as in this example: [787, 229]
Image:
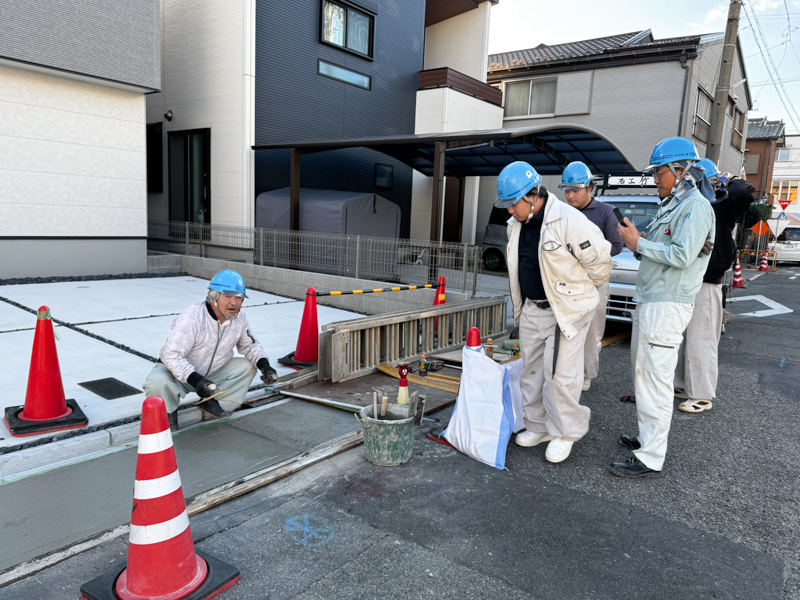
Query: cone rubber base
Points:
[289, 361]
[221, 576]
[19, 428]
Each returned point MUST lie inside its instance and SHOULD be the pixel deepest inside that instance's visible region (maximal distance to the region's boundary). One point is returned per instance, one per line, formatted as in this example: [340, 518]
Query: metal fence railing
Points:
[358, 256]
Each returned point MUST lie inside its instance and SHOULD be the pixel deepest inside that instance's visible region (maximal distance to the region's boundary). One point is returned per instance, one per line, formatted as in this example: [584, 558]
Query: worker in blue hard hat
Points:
[698, 369]
[576, 183]
[674, 251]
[198, 353]
[556, 261]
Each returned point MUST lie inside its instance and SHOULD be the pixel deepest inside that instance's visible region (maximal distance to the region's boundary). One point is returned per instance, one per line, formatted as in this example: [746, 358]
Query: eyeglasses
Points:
[659, 174]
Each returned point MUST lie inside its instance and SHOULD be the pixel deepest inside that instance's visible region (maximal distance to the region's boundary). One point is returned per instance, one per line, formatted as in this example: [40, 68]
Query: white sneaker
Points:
[679, 393]
[529, 438]
[587, 383]
[558, 450]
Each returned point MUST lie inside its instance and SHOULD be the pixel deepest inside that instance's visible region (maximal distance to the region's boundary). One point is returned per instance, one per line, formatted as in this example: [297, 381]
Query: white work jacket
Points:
[198, 342]
[574, 260]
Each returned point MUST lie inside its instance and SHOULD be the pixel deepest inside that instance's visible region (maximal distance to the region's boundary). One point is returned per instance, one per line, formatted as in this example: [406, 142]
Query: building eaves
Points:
[762, 129]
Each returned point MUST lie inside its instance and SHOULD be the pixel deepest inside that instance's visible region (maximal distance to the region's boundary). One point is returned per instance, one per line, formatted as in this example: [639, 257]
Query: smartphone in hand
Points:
[620, 218]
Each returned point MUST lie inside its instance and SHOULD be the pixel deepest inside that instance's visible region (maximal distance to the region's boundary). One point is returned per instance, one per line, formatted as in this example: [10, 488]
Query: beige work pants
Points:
[698, 368]
[551, 403]
[594, 336]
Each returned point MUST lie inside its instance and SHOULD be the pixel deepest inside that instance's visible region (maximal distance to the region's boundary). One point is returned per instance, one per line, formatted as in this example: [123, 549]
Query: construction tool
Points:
[420, 410]
[214, 395]
[439, 382]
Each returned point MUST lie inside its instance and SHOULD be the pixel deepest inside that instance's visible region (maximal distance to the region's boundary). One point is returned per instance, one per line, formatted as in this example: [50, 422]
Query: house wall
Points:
[461, 43]
[705, 73]
[208, 56]
[293, 102]
[759, 164]
[789, 171]
[72, 176]
[114, 41]
[444, 110]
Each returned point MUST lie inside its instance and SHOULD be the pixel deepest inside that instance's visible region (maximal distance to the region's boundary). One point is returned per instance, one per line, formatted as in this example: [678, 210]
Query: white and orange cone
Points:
[738, 282]
[162, 563]
[764, 266]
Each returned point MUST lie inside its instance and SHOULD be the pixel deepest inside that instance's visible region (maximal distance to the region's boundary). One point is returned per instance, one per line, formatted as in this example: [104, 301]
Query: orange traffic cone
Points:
[738, 282]
[764, 266]
[440, 296]
[306, 353]
[46, 409]
[162, 563]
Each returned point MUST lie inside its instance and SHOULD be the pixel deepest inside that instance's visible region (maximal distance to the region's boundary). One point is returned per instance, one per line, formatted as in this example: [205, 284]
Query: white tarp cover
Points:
[329, 211]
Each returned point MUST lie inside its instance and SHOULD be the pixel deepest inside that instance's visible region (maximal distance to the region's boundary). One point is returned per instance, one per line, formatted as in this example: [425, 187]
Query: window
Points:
[346, 75]
[702, 115]
[383, 176]
[783, 155]
[738, 128]
[530, 98]
[785, 190]
[347, 28]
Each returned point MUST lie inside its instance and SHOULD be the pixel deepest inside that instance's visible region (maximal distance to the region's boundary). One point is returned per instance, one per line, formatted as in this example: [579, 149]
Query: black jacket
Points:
[728, 208]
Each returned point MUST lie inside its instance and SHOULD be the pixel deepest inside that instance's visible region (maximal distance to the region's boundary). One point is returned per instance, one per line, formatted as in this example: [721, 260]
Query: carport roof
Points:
[486, 152]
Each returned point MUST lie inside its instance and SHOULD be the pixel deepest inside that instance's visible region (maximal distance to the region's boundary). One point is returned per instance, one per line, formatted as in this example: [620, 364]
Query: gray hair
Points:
[213, 296]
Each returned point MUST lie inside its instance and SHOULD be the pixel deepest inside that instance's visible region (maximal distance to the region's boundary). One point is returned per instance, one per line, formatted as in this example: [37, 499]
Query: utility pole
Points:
[720, 107]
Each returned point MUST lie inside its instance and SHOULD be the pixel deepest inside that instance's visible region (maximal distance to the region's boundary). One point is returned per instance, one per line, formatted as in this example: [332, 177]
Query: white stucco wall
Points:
[208, 72]
[443, 110]
[72, 166]
[460, 43]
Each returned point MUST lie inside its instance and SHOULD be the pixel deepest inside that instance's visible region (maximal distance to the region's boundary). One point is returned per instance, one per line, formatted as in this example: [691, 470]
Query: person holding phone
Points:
[556, 261]
[674, 251]
[576, 182]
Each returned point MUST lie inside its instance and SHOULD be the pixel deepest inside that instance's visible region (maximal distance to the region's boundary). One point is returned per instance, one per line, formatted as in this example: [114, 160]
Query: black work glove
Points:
[268, 374]
[204, 387]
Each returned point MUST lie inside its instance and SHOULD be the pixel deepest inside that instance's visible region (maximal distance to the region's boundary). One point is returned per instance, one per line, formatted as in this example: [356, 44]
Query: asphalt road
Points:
[721, 522]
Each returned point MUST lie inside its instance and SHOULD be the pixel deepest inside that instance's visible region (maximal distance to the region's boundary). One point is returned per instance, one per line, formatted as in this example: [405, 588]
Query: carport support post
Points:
[437, 198]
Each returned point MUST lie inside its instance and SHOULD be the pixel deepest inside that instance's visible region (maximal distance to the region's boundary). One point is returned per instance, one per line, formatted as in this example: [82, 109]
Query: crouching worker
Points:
[198, 354]
[557, 259]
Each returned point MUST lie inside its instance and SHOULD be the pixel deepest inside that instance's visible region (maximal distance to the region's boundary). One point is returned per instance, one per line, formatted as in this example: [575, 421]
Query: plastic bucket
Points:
[388, 441]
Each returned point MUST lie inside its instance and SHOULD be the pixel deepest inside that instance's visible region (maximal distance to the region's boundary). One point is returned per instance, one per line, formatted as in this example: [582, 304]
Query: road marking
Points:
[774, 307]
[756, 276]
[309, 530]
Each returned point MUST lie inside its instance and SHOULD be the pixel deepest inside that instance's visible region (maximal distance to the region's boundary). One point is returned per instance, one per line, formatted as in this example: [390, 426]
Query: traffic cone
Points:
[402, 388]
[440, 296]
[474, 339]
[738, 282]
[764, 267]
[306, 352]
[46, 409]
[162, 562]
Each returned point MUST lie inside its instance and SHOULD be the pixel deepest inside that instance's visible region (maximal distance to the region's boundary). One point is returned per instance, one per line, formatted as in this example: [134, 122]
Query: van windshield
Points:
[641, 213]
[790, 234]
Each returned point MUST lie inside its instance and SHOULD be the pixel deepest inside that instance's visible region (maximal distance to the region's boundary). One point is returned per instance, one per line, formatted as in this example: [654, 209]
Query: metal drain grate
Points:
[110, 388]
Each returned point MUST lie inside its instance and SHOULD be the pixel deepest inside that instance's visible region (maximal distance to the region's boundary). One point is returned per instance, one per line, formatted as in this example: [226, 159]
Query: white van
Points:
[787, 246]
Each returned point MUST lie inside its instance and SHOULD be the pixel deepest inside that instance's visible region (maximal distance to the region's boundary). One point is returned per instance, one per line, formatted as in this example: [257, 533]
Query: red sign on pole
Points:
[760, 228]
[784, 203]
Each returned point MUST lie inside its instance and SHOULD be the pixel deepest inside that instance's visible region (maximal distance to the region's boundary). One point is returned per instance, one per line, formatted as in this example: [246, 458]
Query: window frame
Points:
[320, 61]
[347, 6]
[704, 139]
[531, 81]
[785, 190]
[778, 152]
[737, 135]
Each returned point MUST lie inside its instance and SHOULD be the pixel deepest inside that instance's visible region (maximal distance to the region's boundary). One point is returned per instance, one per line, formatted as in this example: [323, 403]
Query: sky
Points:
[770, 36]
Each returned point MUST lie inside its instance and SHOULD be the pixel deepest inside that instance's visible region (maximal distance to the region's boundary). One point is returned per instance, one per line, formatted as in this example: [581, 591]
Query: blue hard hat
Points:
[709, 167]
[575, 175]
[670, 150]
[514, 181]
[229, 283]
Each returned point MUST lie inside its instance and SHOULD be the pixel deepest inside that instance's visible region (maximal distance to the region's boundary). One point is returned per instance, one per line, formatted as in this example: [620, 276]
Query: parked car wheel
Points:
[493, 260]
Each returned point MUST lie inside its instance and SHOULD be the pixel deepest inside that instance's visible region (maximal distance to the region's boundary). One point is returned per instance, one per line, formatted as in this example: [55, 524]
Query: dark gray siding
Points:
[117, 41]
[293, 102]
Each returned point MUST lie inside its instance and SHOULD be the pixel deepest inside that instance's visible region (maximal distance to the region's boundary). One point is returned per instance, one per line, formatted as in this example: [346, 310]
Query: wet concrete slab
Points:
[52, 510]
